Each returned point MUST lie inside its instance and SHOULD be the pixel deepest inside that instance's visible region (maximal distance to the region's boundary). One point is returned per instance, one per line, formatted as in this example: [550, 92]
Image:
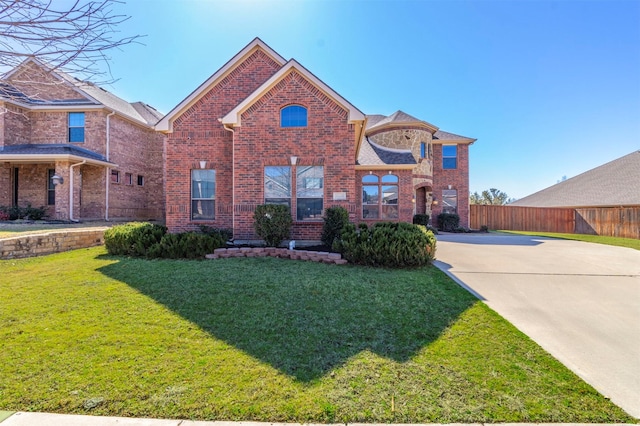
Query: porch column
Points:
[62, 191]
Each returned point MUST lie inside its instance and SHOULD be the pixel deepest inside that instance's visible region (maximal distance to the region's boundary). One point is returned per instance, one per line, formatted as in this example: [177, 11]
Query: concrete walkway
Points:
[579, 301]
[43, 419]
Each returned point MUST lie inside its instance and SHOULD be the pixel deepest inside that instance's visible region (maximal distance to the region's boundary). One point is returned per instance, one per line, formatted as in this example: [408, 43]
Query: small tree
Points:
[272, 223]
[335, 219]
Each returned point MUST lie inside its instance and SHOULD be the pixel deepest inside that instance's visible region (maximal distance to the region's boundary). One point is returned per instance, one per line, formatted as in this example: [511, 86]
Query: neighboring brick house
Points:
[104, 149]
[266, 130]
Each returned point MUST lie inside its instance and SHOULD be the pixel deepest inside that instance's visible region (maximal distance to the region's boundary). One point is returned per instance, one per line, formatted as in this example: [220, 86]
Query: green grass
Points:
[611, 241]
[270, 340]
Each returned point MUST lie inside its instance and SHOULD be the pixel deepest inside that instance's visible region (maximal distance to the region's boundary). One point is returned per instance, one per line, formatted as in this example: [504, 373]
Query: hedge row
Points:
[143, 239]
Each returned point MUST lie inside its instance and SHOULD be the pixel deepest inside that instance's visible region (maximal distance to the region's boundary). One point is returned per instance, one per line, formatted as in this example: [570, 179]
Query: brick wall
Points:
[53, 242]
[327, 140]
[458, 179]
[35, 82]
[199, 136]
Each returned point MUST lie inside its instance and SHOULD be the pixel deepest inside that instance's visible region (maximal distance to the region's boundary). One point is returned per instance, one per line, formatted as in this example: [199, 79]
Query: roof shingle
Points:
[616, 183]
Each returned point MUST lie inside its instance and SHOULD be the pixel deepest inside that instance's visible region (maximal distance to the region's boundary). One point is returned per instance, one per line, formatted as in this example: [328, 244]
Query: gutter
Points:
[108, 169]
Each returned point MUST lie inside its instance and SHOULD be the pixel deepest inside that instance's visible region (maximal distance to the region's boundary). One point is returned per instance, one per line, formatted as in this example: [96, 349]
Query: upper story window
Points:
[293, 116]
[76, 127]
[449, 156]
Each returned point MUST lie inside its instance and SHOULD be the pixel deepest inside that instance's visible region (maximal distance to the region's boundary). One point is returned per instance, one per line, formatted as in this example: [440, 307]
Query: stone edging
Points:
[314, 256]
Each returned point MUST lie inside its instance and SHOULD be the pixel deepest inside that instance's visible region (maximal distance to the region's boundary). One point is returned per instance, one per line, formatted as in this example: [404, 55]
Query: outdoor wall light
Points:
[57, 180]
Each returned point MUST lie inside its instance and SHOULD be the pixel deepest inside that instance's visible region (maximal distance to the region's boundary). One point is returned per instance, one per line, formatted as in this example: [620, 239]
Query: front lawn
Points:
[270, 340]
[599, 239]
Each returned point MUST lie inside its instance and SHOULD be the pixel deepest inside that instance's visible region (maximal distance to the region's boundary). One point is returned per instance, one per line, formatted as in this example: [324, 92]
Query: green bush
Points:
[143, 239]
[421, 219]
[272, 223]
[448, 222]
[335, 219]
[133, 239]
[29, 212]
[186, 245]
[225, 233]
[387, 244]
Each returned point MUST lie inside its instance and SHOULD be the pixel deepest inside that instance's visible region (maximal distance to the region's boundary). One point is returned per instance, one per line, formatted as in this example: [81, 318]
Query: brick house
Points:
[266, 130]
[77, 149]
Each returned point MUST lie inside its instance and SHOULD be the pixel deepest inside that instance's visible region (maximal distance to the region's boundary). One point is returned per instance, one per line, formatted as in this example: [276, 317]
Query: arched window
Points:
[380, 197]
[293, 116]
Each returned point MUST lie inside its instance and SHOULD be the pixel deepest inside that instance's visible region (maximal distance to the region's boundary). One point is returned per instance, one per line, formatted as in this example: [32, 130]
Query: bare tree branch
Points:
[75, 39]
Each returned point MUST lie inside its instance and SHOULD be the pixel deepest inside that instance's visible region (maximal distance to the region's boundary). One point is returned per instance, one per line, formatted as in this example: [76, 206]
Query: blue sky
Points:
[548, 88]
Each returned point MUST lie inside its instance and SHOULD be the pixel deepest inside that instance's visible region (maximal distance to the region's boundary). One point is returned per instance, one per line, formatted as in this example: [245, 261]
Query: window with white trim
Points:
[203, 194]
[309, 192]
[277, 185]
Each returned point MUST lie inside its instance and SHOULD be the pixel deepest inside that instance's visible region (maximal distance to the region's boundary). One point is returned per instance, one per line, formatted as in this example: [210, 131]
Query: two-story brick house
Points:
[77, 149]
[266, 130]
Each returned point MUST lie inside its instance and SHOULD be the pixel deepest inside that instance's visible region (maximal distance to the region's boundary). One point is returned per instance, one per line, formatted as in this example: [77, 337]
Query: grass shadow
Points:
[302, 318]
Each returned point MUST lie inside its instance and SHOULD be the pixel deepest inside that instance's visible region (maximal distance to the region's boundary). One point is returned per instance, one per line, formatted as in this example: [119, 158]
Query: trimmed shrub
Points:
[186, 245]
[448, 222]
[421, 219]
[29, 212]
[335, 219]
[387, 244]
[272, 223]
[133, 239]
[225, 233]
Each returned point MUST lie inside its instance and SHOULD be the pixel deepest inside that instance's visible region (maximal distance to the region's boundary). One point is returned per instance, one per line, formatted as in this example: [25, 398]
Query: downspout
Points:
[71, 190]
[233, 175]
[107, 170]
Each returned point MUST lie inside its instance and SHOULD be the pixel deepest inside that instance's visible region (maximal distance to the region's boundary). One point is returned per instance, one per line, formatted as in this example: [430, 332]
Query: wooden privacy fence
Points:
[609, 221]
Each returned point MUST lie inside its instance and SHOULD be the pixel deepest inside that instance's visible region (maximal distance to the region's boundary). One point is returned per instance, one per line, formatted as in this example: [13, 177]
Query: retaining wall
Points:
[51, 242]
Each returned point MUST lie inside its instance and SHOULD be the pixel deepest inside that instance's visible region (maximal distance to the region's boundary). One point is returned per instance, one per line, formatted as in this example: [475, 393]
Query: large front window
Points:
[380, 197]
[76, 127]
[309, 192]
[277, 185]
[203, 194]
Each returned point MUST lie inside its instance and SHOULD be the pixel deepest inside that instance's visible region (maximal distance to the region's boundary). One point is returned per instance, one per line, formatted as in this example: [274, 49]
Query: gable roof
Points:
[89, 95]
[397, 119]
[233, 117]
[616, 183]
[166, 124]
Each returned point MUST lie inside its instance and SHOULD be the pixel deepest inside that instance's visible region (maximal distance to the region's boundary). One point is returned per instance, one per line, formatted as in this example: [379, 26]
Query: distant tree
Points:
[74, 35]
[492, 196]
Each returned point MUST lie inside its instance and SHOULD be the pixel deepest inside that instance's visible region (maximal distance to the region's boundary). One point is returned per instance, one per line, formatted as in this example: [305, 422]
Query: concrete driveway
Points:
[579, 301]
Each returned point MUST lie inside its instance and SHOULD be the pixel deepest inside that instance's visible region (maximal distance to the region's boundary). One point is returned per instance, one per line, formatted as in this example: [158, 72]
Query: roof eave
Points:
[233, 117]
[47, 158]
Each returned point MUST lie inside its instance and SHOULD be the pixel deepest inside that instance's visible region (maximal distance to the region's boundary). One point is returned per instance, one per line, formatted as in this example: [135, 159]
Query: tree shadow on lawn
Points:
[302, 318]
